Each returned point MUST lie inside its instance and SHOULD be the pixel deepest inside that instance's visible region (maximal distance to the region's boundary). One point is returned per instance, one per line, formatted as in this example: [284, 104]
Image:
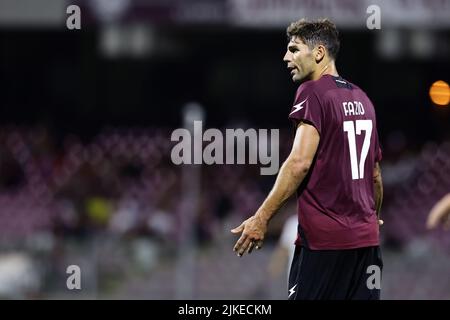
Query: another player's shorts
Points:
[335, 274]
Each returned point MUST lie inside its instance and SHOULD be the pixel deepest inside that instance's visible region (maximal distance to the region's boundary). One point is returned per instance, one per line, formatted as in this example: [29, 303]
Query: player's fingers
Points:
[258, 244]
[244, 247]
[238, 229]
[239, 243]
[250, 247]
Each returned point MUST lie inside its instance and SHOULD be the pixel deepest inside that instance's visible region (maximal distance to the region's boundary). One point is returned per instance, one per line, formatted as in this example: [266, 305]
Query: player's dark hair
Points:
[313, 33]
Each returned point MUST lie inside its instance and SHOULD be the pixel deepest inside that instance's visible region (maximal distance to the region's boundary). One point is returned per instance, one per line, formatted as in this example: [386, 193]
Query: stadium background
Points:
[86, 116]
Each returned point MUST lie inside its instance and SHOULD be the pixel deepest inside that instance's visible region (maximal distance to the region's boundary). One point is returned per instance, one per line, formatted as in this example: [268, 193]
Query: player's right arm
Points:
[378, 188]
[290, 176]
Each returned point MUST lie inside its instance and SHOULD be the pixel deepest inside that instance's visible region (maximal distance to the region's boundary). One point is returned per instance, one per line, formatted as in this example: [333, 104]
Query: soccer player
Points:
[334, 168]
[440, 214]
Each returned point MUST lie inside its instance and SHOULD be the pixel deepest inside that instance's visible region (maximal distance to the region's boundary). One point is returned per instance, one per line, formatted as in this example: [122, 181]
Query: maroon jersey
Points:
[336, 205]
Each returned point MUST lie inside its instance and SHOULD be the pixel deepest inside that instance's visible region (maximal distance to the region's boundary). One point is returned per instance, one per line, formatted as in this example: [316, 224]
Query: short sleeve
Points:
[307, 108]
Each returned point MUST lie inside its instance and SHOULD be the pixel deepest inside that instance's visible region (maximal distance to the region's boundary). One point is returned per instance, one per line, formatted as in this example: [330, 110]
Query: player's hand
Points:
[253, 230]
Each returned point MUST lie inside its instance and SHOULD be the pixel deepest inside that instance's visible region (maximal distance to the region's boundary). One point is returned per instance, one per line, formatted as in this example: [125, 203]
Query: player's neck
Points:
[326, 68]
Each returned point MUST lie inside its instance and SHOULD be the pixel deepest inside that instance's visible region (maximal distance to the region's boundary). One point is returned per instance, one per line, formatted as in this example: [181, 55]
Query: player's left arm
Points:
[290, 176]
[378, 188]
[440, 214]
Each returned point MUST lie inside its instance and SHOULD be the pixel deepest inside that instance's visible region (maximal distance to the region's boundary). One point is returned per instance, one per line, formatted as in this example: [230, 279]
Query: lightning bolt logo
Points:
[292, 291]
[298, 107]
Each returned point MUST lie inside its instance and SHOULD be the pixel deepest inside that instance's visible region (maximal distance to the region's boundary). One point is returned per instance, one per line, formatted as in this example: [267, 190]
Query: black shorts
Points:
[353, 274]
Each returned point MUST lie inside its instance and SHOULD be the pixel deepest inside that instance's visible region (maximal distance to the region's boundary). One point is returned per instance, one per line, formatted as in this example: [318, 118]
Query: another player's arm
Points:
[378, 187]
[290, 176]
[440, 214]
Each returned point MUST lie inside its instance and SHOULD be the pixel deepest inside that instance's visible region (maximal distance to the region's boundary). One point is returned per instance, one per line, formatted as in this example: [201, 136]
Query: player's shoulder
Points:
[322, 85]
[338, 82]
[363, 97]
[354, 86]
[326, 88]
[360, 90]
[309, 88]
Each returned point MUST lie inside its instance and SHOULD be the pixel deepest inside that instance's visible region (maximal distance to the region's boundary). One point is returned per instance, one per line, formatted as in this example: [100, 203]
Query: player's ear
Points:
[319, 53]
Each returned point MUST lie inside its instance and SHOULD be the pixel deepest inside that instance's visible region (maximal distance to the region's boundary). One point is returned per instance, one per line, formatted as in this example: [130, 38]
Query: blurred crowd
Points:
[122, 181]
[120, 187]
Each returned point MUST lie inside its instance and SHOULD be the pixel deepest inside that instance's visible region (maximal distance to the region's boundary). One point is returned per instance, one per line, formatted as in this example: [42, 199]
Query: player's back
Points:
[336, 201]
